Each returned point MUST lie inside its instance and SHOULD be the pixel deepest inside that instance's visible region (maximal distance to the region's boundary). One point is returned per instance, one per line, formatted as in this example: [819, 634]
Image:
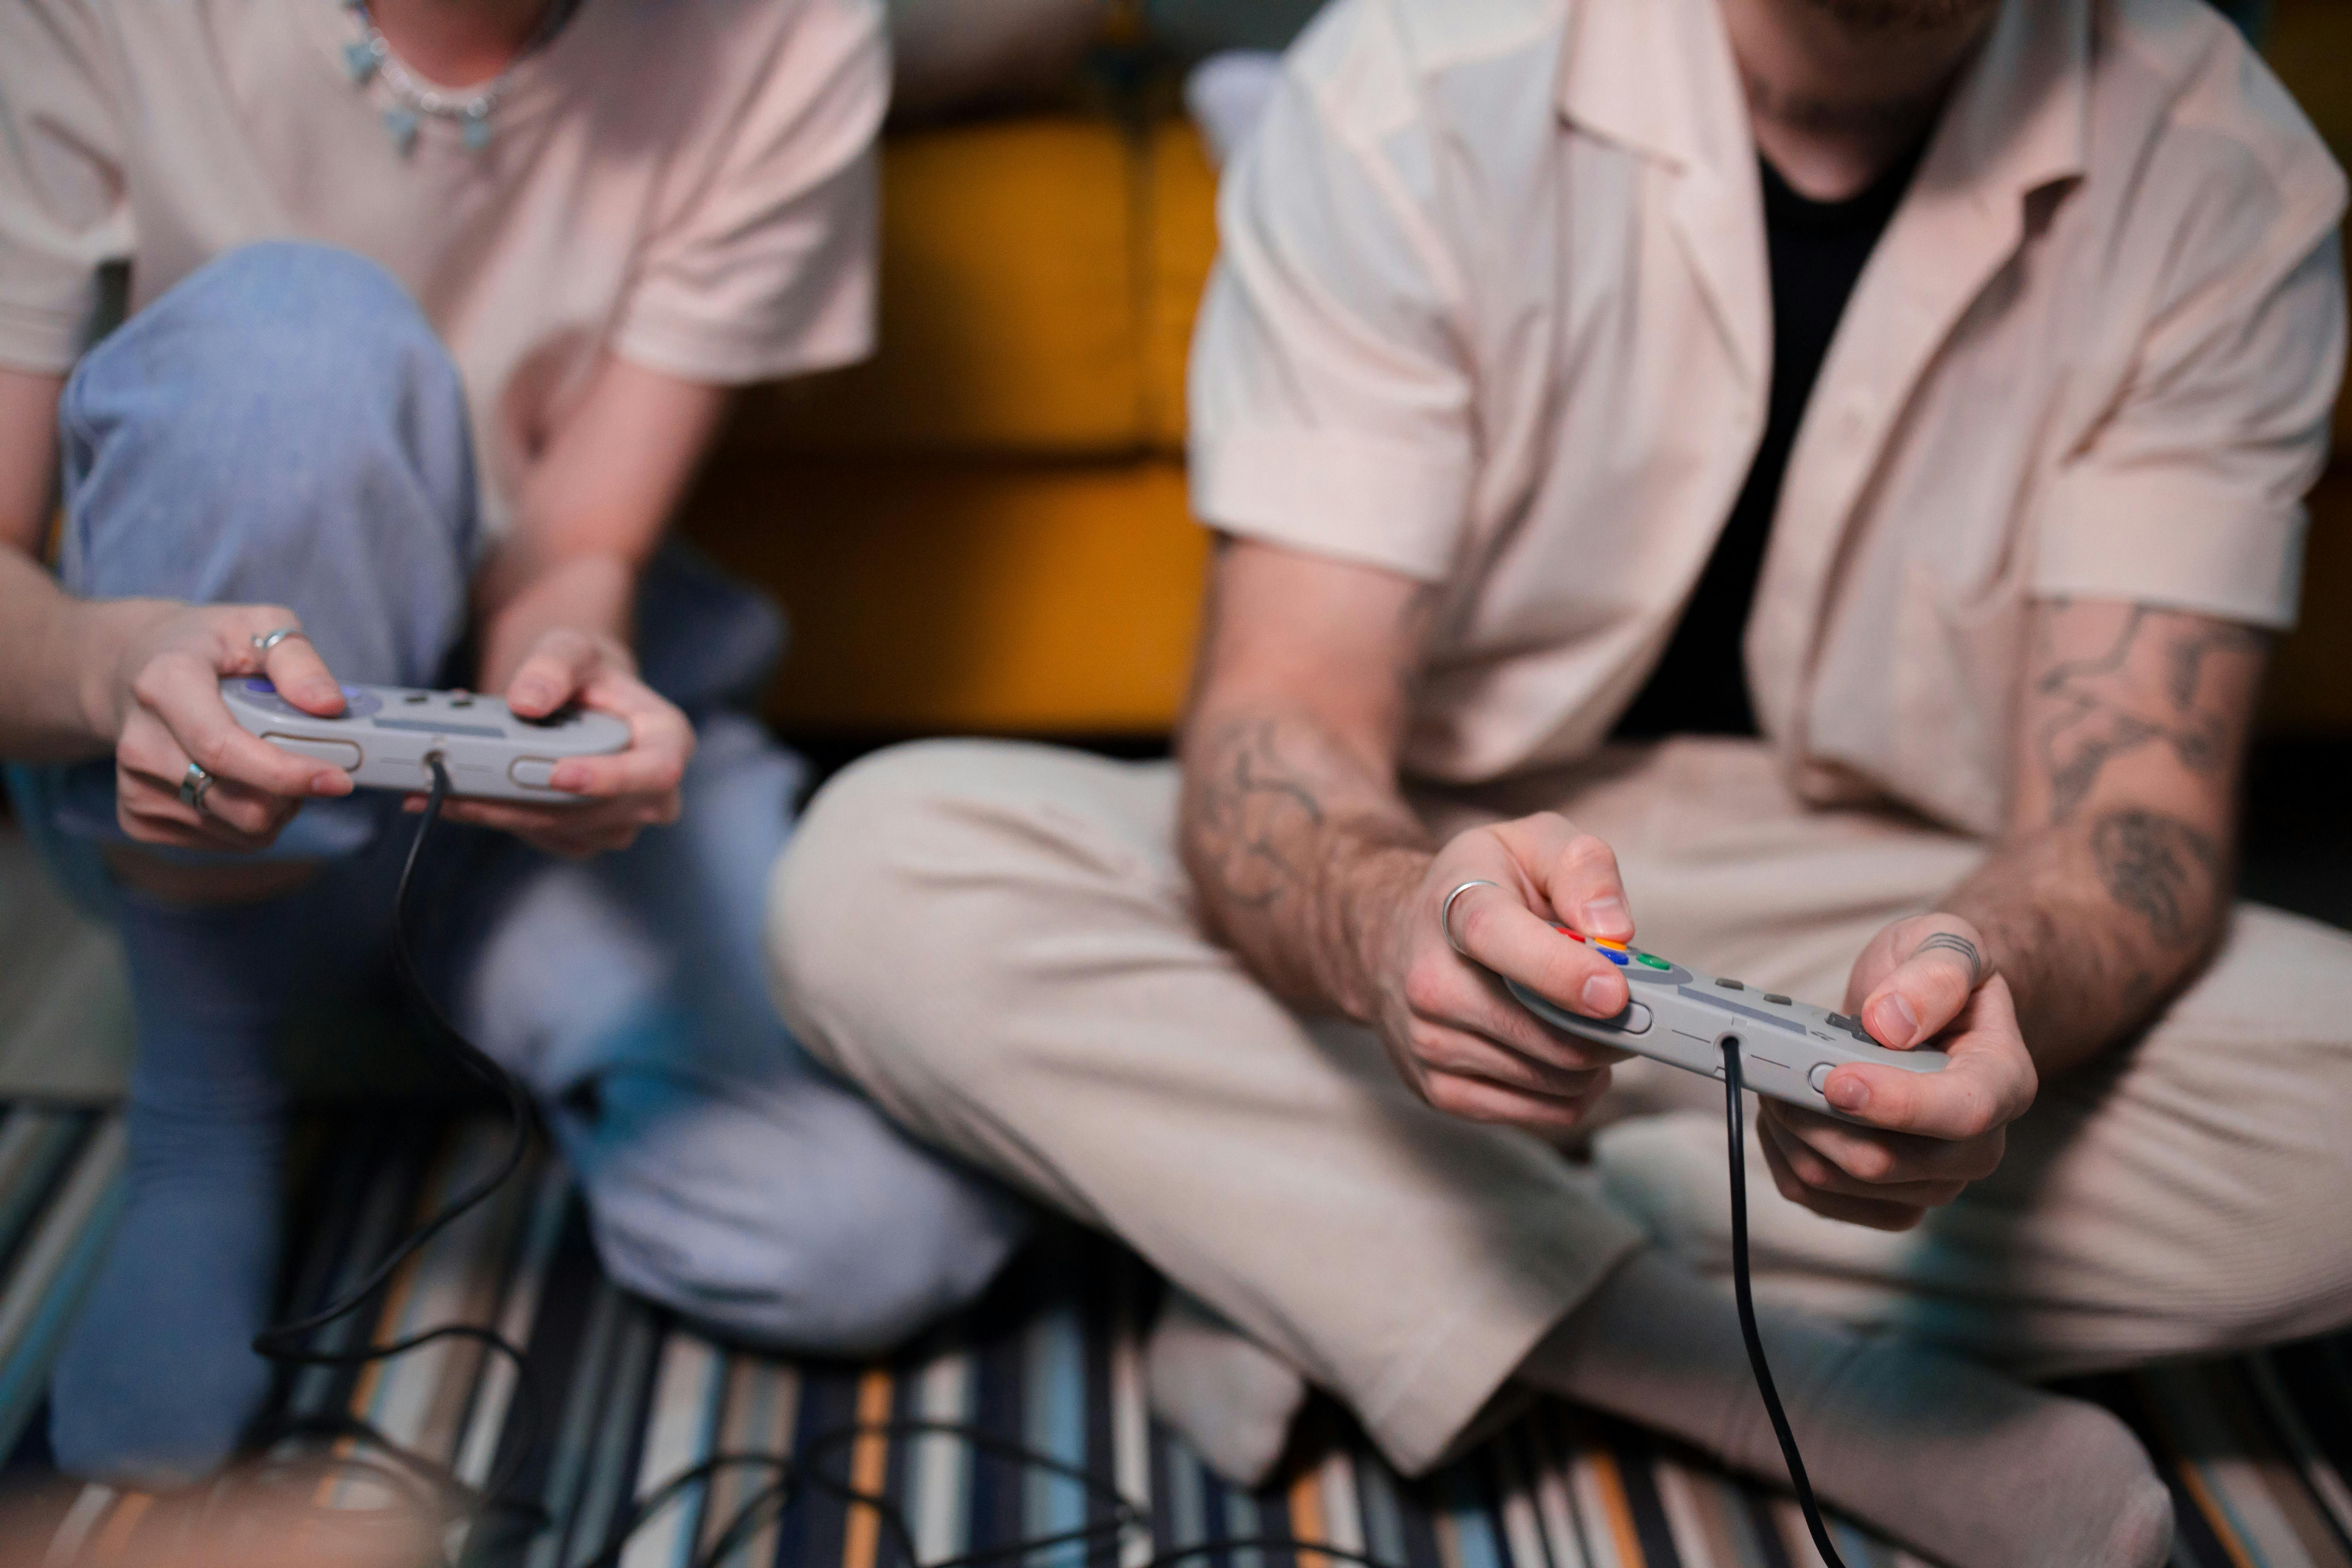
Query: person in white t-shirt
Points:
[412, 378]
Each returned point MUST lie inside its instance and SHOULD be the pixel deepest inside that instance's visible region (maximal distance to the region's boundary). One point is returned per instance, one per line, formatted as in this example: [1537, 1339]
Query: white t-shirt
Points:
[689, 183]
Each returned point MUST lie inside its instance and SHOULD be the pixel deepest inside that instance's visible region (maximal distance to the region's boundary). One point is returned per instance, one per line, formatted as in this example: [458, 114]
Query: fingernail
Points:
[1601, 996]
[1847, 1093]
[1892, 1021]
[568, 778]
[329, 783]
[1607, 917]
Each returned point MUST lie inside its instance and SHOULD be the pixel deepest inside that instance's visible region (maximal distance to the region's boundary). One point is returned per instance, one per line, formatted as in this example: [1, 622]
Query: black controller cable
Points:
[292, 1342]
[793, 1475]
[1735, 1122]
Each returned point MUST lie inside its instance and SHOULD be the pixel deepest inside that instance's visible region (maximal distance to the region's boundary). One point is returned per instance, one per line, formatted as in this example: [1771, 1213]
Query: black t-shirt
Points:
[1817, 250]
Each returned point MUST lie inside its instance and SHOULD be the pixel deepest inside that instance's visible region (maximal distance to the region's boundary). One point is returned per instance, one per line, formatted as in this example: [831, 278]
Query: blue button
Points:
[1615, 957]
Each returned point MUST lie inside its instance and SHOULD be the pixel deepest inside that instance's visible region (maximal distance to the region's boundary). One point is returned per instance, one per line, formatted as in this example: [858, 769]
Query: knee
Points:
[281, 426]
[294, 359]
[811, 1228]
[866, 895]
[283, 324]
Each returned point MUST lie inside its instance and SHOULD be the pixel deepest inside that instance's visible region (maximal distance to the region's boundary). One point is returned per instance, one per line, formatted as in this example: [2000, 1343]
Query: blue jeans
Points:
[282, 426]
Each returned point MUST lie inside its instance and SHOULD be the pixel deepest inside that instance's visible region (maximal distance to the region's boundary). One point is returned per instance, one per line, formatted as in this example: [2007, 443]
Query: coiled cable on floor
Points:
[1735, 1131]
[291, 1342]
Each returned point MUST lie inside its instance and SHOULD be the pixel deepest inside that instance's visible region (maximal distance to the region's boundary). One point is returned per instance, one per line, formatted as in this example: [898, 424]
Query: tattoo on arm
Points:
[2160, 869]
[1952, 941]
[2099, 715]
[1250, 812]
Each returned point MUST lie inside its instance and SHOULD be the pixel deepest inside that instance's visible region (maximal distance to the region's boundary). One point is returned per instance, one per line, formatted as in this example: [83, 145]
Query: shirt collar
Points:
[1658, 75]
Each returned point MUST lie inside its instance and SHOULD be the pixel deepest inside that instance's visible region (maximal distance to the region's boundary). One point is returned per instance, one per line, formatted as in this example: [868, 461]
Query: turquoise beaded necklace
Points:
[414, 100]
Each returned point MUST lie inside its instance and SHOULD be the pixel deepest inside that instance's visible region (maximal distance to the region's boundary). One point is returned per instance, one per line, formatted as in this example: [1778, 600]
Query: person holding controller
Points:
[432, 308]
[1819, 476]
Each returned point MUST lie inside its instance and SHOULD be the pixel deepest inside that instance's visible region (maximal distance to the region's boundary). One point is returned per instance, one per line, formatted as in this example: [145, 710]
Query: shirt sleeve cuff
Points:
[728, 355]
[1334, 493]
[44, 342]
[2167, 539]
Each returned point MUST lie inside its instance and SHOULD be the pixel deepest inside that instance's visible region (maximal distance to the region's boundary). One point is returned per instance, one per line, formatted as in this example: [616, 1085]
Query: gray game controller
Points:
[384, 734]
[1787, 1049]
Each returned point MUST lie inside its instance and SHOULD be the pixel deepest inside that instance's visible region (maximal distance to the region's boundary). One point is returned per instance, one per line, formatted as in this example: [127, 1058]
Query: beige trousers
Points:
[998, 942]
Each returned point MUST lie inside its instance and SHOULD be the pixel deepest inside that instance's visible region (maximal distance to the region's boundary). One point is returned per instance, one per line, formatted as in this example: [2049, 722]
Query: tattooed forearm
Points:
[1251, 815]
[1283, 829]
[2112, 883]
[2095, 708]
[2161, 870]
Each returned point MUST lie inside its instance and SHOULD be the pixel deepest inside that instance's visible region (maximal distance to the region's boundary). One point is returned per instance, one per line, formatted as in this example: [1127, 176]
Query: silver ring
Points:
[1445, 911]
[195, 784]
[264, 641]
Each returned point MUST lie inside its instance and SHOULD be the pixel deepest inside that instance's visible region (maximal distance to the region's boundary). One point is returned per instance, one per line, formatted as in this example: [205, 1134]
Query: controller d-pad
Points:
[1852, 1026]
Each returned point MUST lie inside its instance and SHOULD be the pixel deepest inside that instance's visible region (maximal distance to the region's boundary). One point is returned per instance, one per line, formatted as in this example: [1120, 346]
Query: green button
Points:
[1654, 960]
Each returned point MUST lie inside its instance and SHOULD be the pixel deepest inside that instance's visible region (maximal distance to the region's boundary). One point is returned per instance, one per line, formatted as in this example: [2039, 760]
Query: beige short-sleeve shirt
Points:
[687, 183]
[1492, 311]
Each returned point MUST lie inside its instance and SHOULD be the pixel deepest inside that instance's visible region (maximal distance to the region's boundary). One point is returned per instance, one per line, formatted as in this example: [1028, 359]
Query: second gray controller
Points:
[1787, 1049]
[384, 734]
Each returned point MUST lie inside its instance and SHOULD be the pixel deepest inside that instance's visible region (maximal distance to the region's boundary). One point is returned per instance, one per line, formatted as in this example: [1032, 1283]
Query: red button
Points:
[1566, 933]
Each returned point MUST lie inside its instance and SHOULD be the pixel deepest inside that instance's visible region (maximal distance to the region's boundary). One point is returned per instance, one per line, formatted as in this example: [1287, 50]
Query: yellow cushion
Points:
[2309, 42]
[1008, 303]
[1015, 598]
[1181, 240]
[2310, 687]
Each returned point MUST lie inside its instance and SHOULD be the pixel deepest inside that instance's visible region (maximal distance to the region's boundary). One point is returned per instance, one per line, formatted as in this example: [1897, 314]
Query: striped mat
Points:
[2257, 1448]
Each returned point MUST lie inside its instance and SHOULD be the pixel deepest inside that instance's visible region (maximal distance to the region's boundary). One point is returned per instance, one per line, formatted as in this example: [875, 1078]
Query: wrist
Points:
[1377, 906]
[95, 636]
[595, 594]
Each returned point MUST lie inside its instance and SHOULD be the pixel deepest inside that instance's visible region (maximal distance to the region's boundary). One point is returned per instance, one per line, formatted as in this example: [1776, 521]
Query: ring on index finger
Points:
[1445, 911]
[195, 784]
[264, 641]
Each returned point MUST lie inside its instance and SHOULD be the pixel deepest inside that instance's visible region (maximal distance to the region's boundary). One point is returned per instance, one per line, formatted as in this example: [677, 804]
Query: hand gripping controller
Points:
[1787, 1049]
[384, 734]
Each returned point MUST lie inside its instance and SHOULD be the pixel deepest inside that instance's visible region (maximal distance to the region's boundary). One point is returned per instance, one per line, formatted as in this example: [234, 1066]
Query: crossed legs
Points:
[283, 427]
[999, 943]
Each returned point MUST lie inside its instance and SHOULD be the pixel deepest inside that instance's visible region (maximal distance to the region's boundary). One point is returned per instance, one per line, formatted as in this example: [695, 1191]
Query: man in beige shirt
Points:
[1918, 395]
[432, 310]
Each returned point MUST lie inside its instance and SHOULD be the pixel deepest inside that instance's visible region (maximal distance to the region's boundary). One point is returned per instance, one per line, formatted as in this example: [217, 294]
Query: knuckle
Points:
[1474, 922]
[150, 683]
[1446, 1093]
[1428, 984]
[1795, 1190]
[1870, 1163]
[1588, 850]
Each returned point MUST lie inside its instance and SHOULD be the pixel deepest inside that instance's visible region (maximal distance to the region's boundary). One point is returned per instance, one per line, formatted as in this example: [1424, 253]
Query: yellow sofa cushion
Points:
[950, 597]
[1179, 219]
[1009, 304]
